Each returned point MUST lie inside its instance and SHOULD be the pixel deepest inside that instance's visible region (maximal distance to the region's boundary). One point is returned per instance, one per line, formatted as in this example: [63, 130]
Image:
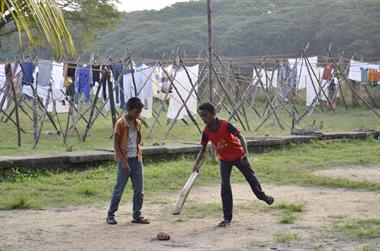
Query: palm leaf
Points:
[41, 17]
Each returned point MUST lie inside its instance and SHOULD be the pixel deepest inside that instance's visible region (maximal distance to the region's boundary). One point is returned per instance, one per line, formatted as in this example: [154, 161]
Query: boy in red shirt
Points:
[231, 148]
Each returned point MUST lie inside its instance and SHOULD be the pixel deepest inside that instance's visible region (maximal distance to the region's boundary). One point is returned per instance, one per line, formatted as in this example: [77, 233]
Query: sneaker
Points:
[141, 220]
[224, 223]
[111, 220]
[269, 200]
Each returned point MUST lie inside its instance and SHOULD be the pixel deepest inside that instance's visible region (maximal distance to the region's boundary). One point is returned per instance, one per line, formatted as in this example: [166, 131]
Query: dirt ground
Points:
[357, 173]
[255, 226]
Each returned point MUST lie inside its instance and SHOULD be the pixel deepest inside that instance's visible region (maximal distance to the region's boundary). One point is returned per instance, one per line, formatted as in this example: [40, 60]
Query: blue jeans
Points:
[137, 179]
[226, 192]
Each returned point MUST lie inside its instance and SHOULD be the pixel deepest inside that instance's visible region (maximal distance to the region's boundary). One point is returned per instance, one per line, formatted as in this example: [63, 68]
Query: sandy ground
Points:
[84, 227]
[357, 173]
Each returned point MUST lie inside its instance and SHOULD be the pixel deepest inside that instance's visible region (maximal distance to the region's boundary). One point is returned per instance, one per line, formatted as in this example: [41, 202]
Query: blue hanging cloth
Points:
[27, 76]
[83, 82]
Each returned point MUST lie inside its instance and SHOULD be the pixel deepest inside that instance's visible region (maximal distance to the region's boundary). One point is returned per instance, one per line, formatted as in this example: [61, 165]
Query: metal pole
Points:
[210, 53]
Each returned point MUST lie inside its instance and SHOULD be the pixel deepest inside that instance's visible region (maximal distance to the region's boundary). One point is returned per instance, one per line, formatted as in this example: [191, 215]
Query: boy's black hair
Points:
[207, 107]
[134, 103]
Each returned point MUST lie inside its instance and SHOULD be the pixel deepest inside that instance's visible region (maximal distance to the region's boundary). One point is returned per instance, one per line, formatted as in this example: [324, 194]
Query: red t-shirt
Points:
[224, 139]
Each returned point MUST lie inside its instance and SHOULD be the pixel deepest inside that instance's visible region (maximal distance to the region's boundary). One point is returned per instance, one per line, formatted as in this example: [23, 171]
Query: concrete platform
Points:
[84, 159]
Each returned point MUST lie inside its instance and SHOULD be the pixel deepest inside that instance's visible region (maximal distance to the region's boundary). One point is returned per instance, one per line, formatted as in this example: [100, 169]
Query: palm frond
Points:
[40, 17]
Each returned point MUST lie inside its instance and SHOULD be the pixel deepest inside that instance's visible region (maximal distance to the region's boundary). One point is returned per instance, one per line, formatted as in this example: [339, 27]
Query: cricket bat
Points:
[186, 189]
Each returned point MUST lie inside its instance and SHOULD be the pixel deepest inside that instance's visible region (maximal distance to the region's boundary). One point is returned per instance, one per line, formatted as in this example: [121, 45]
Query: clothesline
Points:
[237, 60]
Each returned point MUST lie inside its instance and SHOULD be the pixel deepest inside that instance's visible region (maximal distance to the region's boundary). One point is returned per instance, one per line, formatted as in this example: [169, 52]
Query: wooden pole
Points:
[210, 60]
[43, 116]
[9, 77]
[111, 97]
[40, 101]
[193, 89]
[182, 100]
[268, 97]
[84, 135]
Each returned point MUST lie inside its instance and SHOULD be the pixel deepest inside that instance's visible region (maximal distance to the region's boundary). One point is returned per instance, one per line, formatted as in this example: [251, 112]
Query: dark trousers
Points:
[137, 179]
[226, 192]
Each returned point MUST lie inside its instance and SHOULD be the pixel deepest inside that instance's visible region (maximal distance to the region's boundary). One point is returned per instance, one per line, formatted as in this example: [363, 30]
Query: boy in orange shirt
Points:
[127, 134]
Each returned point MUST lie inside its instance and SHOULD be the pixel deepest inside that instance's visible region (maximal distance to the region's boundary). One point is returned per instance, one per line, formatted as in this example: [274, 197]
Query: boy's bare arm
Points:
[200, 156]
[244, 158]
[243, 143]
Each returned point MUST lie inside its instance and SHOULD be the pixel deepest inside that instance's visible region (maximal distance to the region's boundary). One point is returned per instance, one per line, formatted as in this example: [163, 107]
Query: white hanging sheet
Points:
[184, 87]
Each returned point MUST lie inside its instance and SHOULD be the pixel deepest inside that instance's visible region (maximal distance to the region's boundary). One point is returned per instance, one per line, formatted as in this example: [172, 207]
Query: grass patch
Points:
[290, 207]
[88, 191]
[293, 166]
[288, 218]
[368, 248]
[289, 211]
[359, 228]
[287, 238]
[296, 165]
[19, 202]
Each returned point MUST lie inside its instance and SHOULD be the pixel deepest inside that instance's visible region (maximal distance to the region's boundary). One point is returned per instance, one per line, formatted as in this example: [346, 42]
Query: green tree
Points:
[85, 20]
[36, 19]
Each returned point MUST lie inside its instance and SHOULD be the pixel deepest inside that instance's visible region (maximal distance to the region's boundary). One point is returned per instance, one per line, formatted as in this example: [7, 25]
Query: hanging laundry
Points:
[58, 79]
[324, 83]
[274, 76]
[70, 74]
[82, 83]
[70, 79]
[2, 88]
[60, 106]
[105, 82]
[116, 72]
[302, 71]
[155, 82]
[27, 90]
[2, 96]
[5, 104]
[266, 78]
[3, 77]
[355, 72]
[147, 111]
[95, 74]
[28, 70]
[377, 79]
[331, 93]
[164, 81]
[184, 87]
[95, 89]
[143, 82]
[116, 69]
[108, 81]
[289, 80]
[145, 90]
[44, 71]
[24, 83]
[364, 76]
[372, 77]
[313, 88]
[327, 72]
